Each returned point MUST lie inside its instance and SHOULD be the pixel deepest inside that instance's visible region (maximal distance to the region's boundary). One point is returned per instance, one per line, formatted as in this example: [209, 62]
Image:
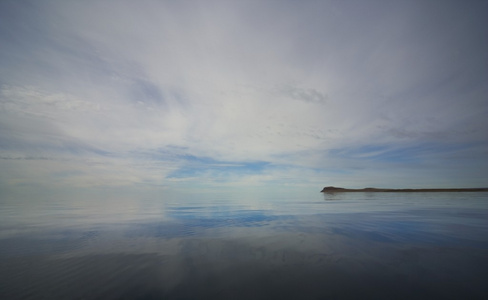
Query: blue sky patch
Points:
[195, 166]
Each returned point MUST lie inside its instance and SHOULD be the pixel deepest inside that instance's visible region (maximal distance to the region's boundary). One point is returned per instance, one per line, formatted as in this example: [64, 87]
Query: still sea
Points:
[226, 245]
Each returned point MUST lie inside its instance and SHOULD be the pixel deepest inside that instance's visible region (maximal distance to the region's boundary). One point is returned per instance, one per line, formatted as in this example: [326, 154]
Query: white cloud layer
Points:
[167, 93]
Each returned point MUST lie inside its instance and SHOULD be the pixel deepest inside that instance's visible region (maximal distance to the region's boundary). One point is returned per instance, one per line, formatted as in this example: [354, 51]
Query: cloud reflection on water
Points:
[382, 247]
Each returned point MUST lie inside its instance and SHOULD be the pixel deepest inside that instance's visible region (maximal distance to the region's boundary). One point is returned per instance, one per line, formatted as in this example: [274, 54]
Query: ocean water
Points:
[247, 246]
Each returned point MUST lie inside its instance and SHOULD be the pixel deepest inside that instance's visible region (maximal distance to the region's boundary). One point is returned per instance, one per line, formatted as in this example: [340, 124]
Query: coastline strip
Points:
[331, 189]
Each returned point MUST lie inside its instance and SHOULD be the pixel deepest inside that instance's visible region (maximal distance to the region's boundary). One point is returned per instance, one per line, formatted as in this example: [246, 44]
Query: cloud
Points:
[239, 92]
[304, 94]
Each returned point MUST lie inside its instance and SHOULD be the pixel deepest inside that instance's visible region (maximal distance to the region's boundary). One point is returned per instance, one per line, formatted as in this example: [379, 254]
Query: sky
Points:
[202, 95]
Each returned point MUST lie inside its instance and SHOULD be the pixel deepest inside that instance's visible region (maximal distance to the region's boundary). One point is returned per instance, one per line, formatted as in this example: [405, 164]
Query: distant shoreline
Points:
[332, 189]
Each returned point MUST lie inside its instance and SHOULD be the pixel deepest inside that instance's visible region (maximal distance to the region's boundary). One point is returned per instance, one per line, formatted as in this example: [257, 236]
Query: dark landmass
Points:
[332, 189]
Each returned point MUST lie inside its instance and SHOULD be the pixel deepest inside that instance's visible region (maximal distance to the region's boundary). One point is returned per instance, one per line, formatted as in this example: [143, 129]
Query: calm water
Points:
[247, 246]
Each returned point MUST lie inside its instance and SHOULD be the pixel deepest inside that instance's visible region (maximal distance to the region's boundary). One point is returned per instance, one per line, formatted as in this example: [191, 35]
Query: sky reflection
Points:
[383, 246]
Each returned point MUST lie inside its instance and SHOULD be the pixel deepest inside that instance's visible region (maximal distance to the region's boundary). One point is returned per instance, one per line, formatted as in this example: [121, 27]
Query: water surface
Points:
[247, 246]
